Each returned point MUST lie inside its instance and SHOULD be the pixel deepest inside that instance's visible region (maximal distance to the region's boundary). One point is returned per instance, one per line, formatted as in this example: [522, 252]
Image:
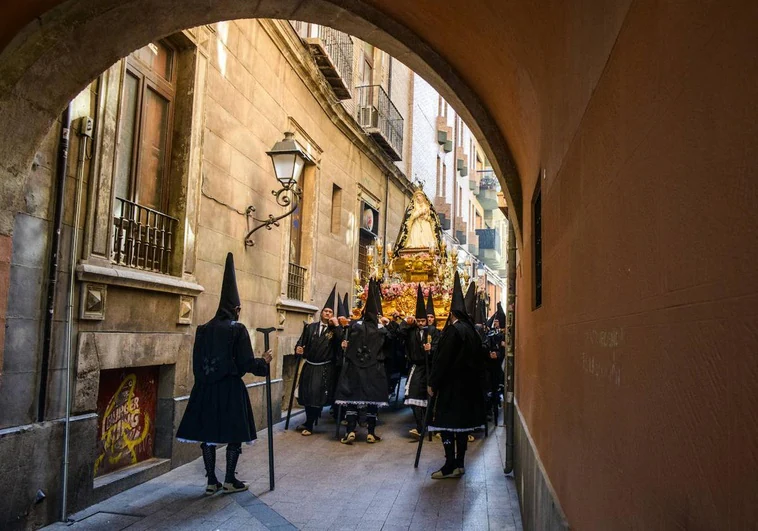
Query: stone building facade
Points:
[173, 155]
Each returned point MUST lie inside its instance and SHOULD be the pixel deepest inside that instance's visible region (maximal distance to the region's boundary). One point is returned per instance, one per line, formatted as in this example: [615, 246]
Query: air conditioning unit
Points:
[368, 117]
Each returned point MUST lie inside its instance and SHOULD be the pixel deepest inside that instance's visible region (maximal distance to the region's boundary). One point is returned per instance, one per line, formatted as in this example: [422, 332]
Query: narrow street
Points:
[322, 484]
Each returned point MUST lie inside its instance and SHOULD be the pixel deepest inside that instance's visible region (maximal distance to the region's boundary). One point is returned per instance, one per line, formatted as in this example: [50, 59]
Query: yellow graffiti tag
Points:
[121, 432]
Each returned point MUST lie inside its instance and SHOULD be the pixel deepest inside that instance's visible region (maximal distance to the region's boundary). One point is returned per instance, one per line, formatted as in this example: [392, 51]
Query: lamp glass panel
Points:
[284, 166]
[298, 168]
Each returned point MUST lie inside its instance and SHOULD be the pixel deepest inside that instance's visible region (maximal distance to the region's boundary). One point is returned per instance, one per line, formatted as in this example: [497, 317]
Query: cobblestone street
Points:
[322, 484]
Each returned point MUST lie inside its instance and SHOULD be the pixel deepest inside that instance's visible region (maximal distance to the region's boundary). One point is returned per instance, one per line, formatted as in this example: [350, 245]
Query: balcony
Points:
[333, 52]
[489, 187]
[490, 247]
[379, 117]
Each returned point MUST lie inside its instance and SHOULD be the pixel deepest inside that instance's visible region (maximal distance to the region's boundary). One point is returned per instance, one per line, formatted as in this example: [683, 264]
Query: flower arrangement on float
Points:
[398, 289]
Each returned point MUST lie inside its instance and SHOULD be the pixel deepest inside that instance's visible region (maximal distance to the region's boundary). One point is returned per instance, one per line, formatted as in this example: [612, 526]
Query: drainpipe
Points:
[85, 133]
[61, 168]
[510, 360]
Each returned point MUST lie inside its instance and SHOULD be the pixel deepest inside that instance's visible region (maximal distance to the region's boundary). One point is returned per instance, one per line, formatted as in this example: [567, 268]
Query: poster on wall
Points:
[369, 219]
[126, 404]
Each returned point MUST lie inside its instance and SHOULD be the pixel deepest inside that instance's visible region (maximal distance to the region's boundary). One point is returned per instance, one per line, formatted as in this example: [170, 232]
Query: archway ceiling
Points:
[515, 70]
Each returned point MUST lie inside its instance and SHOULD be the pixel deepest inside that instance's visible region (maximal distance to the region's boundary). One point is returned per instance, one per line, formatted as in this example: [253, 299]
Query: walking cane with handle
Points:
[269, 412]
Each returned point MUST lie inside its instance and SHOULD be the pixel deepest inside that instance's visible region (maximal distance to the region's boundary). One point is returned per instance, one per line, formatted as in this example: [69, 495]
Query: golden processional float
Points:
[419, 256]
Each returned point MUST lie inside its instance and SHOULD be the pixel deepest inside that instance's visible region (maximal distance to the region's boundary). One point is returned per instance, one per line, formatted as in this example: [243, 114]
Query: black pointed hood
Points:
[470, 300]
[329, 304]
[500, 315]
[457, 304]
[378, 297]
[370, 312]
[346, 304]
[230, 297]
[480, 315]
[430, 304]
[341, 308]
[420, 307]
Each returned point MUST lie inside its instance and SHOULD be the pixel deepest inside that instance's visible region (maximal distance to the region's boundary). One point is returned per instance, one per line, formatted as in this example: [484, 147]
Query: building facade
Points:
[452, 168]
[169, 146]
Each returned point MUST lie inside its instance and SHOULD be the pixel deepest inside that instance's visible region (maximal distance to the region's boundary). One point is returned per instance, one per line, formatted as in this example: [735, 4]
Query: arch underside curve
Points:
[53, 58]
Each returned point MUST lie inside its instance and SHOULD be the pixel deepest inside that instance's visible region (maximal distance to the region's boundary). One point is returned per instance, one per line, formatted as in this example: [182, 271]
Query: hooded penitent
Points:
[457, 372]
[218, 410]
[420, 308]
[469, 301]
[346, 305]
[500, 315]
[363, 379]
[457, 304]
[430, 304]
[230, 298]
[329, 304]
[371, 309]
[480, 312]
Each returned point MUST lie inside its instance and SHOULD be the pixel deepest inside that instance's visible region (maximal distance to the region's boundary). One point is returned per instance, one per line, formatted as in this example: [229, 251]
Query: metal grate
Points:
[296, 282]
[142, 237]
[378, 115]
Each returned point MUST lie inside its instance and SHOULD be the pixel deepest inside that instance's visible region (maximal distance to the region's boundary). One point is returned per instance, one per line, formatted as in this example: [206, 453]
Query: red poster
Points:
[126, 417]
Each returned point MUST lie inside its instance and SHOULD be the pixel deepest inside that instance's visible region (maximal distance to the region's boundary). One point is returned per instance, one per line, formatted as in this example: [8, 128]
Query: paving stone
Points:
[321, 484]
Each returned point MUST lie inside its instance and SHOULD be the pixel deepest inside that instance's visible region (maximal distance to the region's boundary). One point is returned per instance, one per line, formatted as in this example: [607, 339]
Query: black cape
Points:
[456, 379]
[363, 380]
[415, 385]
[495, 374]
[218, 410]
[317, 380]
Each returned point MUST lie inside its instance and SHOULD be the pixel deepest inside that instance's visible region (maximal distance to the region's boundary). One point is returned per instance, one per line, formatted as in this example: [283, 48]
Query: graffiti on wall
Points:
[126, 413]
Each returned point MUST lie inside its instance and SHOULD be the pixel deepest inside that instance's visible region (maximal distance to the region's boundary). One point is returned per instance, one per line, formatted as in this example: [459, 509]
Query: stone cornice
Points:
[298, 57]
[134, 278]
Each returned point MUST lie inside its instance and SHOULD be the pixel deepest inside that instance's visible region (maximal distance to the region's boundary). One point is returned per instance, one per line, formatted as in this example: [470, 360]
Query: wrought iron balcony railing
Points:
[380, 118]
[333, 52]
[143, 238]
[296, 282]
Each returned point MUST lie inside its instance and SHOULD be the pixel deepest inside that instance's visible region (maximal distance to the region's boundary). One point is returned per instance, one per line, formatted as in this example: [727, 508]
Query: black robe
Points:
[218, 410]
[456, 379]
[495, 375]
[320, 352]
[363, 380]
[415, 386]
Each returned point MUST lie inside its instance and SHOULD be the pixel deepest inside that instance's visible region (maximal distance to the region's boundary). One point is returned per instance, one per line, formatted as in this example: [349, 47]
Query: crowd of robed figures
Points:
[454, 375]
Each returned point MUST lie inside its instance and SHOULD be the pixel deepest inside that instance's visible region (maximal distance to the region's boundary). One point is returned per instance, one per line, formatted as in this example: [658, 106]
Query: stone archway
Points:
[58, 53]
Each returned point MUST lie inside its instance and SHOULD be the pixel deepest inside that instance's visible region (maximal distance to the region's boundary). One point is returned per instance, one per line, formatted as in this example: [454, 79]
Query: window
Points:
[143, 234]
[537, 242]
[336, 208]
[144, 139]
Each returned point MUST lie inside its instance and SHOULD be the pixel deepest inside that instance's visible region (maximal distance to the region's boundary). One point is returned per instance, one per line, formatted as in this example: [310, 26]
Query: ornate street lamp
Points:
[289, 159]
